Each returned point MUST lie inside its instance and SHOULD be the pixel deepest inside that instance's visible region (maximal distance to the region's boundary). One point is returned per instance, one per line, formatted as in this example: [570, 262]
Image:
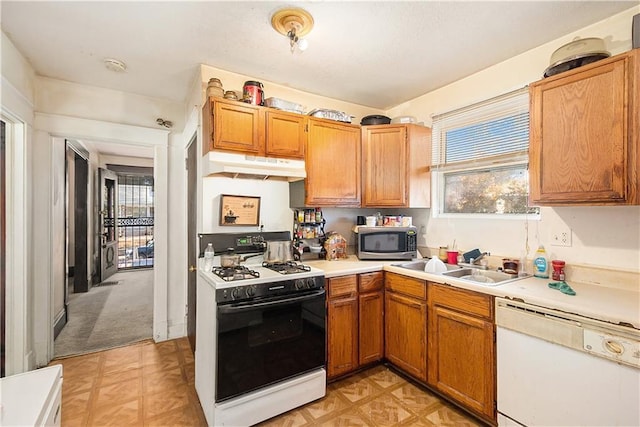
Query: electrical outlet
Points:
[561, 237]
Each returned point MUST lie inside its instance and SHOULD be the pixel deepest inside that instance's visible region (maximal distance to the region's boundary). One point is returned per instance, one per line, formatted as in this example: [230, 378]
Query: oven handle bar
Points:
[281, 301]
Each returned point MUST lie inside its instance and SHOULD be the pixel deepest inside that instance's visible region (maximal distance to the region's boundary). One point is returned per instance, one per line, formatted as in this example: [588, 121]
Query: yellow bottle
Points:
[541, 263]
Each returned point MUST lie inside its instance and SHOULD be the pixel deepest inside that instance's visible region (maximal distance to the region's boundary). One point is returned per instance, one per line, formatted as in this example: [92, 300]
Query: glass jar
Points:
[442, 253]
[214, 88]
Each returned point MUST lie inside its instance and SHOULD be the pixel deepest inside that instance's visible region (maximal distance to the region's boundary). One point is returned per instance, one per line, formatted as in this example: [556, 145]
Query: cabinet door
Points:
[371, 331]
[406, 334]
[332, 158]
[238, 127]
[286, 134]
[369, 282]
[462, 359]
[385, 155]
[342, 335]
[583, 144]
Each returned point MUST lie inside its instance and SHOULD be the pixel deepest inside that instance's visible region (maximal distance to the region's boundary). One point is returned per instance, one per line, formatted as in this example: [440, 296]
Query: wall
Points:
[275, 214]
[90, 102]
[342, 220]
[58, 211]
[233, 81]
[17, 109]
[602, 236]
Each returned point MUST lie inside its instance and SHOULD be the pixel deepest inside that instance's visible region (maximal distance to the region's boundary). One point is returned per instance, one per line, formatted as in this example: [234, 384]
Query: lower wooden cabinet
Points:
[440, 335]
[461, 347]
[370, 317]
[342, 325]
[406, 324]
[355, 333]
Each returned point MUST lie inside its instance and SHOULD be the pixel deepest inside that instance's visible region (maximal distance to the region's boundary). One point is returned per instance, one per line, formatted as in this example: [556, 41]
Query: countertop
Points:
[610, 304]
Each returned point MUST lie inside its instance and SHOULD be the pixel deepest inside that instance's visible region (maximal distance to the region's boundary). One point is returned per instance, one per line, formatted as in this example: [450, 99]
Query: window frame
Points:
[484, 111]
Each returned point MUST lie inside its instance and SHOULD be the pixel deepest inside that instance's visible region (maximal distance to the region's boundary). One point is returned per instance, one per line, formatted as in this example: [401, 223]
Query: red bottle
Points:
[558, 269]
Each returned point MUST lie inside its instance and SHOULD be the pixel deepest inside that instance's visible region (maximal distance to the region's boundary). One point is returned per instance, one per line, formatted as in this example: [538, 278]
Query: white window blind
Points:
[487, 131]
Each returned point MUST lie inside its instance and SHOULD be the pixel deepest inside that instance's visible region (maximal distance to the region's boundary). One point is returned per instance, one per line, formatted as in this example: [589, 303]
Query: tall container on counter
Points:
[541, 263]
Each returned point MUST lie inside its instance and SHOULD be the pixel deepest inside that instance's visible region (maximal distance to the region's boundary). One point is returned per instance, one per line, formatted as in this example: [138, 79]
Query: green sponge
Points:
[562, 287]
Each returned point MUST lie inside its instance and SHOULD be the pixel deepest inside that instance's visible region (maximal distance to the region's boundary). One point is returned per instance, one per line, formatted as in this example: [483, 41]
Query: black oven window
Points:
[259, 346]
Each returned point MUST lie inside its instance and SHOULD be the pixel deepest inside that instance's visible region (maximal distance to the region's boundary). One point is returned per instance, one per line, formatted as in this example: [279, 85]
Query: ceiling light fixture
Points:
[295, 24]
[115, 65]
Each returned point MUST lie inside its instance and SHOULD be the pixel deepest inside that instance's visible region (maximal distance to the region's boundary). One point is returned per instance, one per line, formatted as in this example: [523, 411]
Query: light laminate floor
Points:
[148, 384]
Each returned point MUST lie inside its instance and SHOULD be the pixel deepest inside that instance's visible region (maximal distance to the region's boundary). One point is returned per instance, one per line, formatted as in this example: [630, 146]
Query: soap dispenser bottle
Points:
[541, 263]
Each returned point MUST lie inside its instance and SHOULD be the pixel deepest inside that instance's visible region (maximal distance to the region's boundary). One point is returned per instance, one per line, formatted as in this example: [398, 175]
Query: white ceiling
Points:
[377, 54]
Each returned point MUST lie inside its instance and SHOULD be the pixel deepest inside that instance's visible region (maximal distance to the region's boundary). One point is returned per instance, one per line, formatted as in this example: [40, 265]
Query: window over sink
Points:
[480, 158]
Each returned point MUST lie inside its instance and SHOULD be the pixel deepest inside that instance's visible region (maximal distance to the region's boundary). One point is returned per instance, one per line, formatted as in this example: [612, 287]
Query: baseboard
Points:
[177, 331]
[60, 321]
[30, 361]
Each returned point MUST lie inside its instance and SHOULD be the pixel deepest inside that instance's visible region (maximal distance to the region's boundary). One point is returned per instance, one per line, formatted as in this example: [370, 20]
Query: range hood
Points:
[235, 165]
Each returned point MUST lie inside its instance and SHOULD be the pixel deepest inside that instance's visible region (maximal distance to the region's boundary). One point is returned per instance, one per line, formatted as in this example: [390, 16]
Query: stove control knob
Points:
[311, 283]
[235, 293]
[251, 291]
[299, 283]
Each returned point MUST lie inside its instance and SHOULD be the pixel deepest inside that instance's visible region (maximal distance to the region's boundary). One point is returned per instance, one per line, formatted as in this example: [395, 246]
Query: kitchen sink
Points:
[420, 264]
[476, 275]
[486, 277]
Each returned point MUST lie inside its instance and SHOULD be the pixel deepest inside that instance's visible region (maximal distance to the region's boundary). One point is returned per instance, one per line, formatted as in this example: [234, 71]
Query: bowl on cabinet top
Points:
[375, 119]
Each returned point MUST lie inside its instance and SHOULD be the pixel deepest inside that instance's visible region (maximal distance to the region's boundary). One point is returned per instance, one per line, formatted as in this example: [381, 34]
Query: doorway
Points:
[135, 221]
[192, 238]
[3, 233]
[118, 307]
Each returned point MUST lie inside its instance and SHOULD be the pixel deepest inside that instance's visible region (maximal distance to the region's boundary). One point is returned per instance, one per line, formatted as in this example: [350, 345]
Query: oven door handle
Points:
[252, 306]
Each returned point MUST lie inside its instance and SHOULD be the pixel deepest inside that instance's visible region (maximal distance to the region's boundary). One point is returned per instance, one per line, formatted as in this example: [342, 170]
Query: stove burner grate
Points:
[289, 267]
[231, 274]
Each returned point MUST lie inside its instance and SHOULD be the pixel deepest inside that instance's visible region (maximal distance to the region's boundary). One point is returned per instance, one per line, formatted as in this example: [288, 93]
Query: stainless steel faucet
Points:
[482, 255]
[473, 262]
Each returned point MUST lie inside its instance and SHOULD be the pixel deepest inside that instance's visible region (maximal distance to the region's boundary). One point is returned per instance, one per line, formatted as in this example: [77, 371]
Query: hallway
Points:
[116, 313]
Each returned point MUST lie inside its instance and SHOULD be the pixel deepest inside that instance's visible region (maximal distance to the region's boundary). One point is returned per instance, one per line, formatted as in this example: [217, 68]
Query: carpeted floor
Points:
[117, 313]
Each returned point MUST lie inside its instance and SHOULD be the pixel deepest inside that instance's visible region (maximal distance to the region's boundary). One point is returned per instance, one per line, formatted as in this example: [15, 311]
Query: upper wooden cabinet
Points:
[396, 166]
[333, 164]
[236, 126]
[585, 134]
[286, 134]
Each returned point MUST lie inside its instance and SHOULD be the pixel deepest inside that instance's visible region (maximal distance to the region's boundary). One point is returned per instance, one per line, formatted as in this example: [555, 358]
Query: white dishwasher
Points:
[559, 369]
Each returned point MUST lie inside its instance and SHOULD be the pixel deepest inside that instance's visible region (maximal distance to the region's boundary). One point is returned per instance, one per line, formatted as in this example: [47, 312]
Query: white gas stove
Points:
[260, 335]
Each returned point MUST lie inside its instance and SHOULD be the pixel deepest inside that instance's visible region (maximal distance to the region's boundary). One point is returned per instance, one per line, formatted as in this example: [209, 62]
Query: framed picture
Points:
[239, 210]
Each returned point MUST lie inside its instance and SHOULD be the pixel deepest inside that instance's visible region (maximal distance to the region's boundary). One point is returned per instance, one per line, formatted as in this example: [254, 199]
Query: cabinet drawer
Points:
[406, 285]
[369, 282]
[463, 300]
[341, 286]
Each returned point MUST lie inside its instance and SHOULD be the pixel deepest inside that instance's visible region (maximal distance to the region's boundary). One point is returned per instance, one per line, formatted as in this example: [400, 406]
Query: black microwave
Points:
[386, 242]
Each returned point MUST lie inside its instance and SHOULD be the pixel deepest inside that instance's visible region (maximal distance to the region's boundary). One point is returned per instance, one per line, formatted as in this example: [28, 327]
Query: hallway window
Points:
[135, 221]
